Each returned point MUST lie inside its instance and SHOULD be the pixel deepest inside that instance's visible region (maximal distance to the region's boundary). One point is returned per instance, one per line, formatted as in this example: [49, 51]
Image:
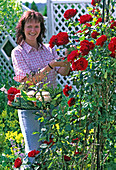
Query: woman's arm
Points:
[63, 70]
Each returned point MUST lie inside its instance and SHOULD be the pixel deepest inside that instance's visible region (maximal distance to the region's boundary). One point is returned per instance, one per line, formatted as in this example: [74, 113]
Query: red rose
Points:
[70, 13]
[87, 24]
[91, 45]
[73, 55]
[33, 153]
[66, 90]
[85, 18]
[71, 102]
[62, 38]
[75, 140]
[112, 44]
[11, 93]
[100, 41]
[113, 55]
[86, 46]
[84, 49]
[93, 2]
[80, 64]
[113, 25]
[53, 41]
[50, 142]
[67, 158]
[94, 34]
[76, 153]
[17, 163]
[84, 42]
[98, 20]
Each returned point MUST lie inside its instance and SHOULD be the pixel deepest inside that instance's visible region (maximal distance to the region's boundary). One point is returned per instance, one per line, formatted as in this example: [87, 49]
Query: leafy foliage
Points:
[9, 9]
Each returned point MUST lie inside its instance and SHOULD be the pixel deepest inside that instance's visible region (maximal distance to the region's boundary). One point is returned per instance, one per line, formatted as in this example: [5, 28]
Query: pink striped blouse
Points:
[27, 59]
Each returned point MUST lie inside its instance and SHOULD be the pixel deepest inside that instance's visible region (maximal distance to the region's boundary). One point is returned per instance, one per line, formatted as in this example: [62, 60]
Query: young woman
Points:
[33, 58]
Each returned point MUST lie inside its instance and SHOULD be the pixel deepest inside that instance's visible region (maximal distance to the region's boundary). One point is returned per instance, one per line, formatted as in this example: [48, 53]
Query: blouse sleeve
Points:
[54, 53]
[19, 65]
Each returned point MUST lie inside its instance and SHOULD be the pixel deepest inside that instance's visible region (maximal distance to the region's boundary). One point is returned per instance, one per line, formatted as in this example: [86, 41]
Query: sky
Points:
[36, 1]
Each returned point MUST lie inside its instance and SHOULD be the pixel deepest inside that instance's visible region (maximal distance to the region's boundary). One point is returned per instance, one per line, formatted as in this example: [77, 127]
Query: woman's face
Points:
[31, 30]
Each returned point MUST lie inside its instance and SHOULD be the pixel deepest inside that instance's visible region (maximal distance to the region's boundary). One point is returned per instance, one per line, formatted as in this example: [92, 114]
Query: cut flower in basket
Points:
[27, 100]
[32, 99]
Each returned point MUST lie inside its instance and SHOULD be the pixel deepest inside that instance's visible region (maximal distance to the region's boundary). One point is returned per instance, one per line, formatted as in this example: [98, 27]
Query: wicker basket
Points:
[21, 102]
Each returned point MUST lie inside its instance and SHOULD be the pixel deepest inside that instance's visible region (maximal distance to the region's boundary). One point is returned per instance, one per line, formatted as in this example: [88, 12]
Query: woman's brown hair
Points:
[28, 16]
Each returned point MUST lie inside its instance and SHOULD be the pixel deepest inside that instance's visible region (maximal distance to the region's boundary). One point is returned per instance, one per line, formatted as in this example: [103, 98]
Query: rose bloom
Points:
[86, 46]
[11, 93]
[17, 163]
[73, 55]
[112, 45]
[100, 41]
[80, 64]
[90, 44]
[85, 18]
[93, 2]
[113, 25]
[87, 24]
[70, 13]
[84, 49]
[53, 41]
[66, 90]
[94, 34]
[76, 153]
[50, 142]
[75, 140]
[98, 20]
[62, 38]
[67, 158]
[71, 102]
[113, 55]
[33, 153]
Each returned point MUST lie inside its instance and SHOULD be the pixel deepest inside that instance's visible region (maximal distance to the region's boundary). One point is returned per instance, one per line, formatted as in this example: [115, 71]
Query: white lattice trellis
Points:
[56, 9]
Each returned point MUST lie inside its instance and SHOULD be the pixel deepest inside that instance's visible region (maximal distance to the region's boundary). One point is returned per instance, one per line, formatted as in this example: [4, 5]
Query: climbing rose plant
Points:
[91, 53]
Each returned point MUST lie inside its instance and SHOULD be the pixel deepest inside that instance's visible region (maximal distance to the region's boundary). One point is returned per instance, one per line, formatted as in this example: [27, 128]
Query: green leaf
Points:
[68, 127]
[98, 81]
[50, 165]
[90, 126]
[105, 75]
[90, 80]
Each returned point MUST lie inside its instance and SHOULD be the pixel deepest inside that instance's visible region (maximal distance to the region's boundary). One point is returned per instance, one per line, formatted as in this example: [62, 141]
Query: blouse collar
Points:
[28, 47]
